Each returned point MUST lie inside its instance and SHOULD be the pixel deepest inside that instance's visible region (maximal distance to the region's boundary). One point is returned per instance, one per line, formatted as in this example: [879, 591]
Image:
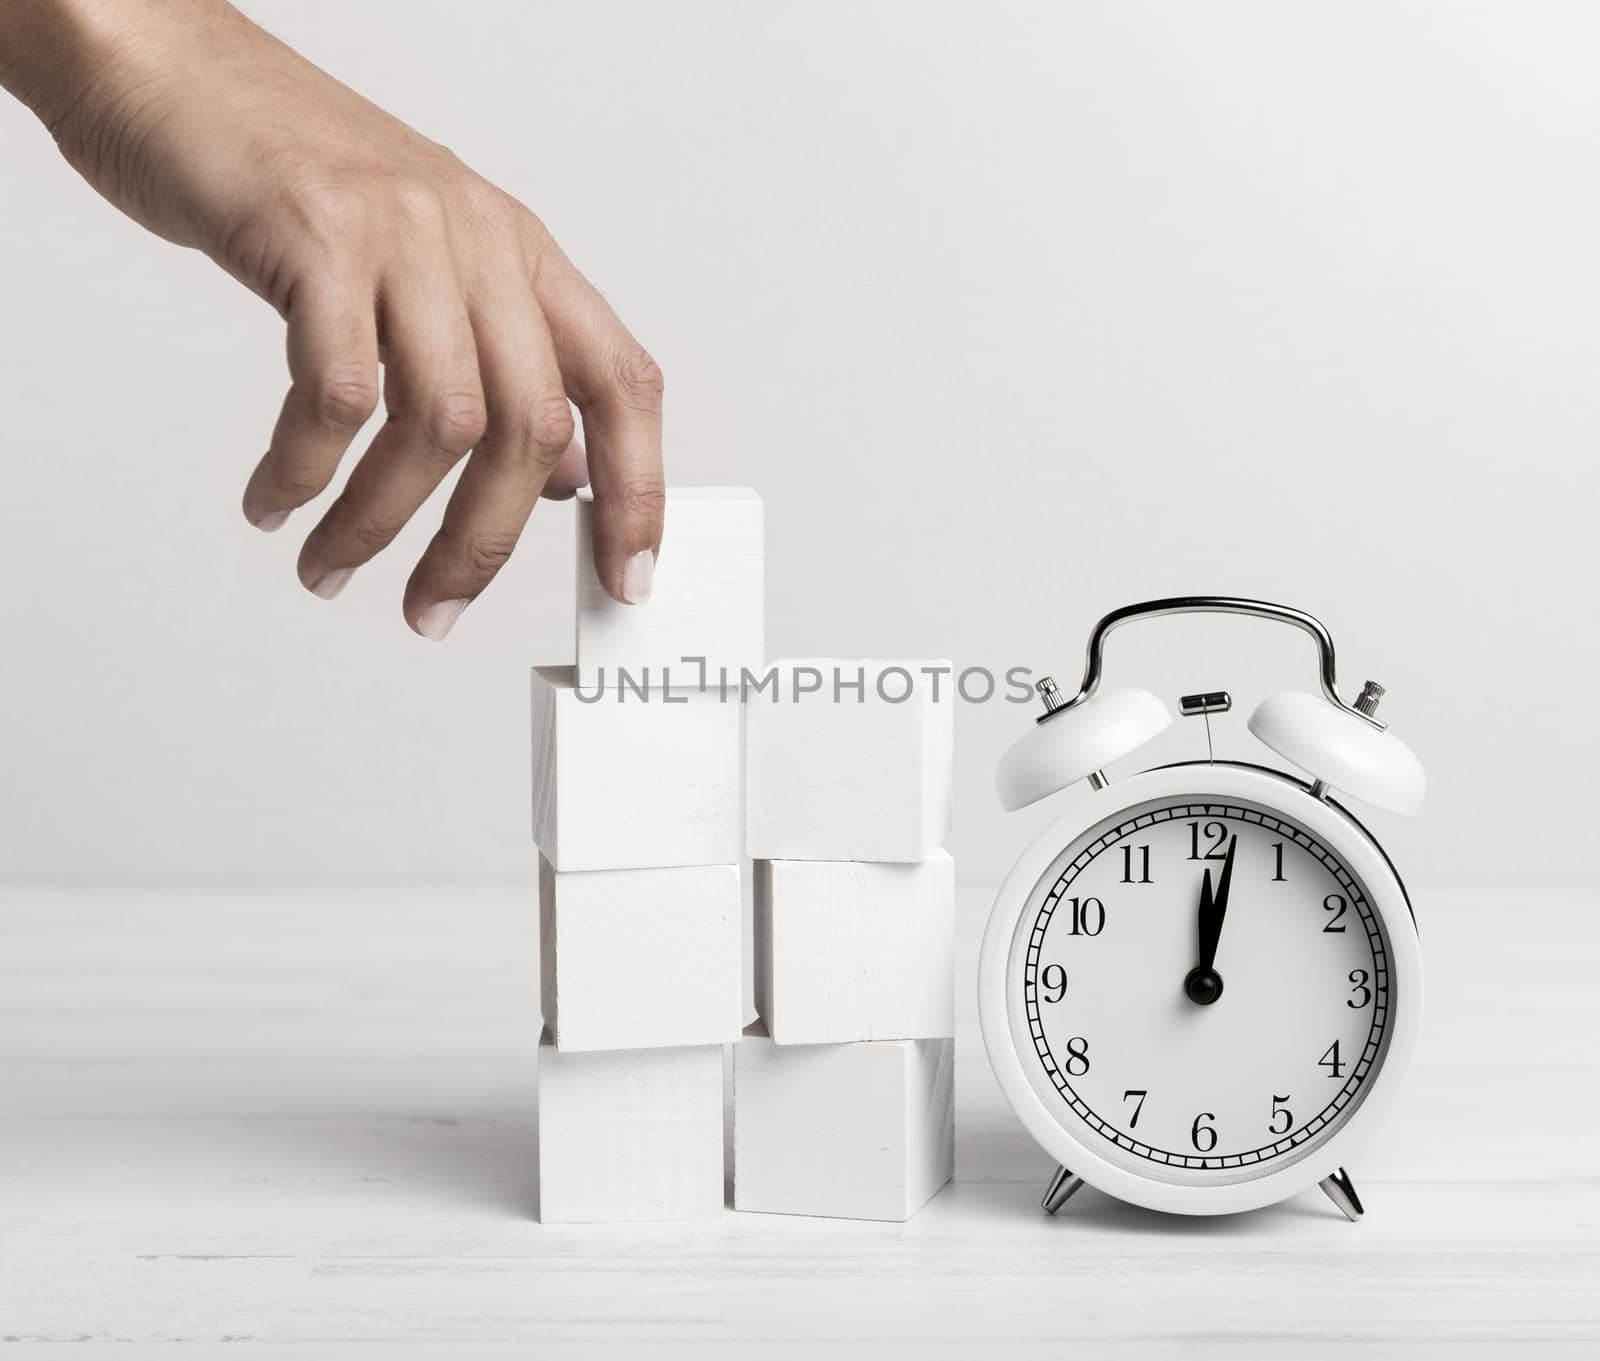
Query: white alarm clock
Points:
[1200, 986]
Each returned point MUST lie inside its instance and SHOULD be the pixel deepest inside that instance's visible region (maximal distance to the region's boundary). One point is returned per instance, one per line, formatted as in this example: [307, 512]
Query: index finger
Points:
[617, 388]
[333, 368]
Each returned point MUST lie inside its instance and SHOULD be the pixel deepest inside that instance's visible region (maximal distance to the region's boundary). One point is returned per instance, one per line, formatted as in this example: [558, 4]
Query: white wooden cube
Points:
[836, 773]
[848, 950]
[630, 1134]
[633, 782]
[849, 1131]
[706, 599]
[641, 959]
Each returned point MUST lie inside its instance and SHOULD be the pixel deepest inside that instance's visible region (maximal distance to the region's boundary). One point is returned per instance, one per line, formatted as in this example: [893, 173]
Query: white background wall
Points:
[1014, 313]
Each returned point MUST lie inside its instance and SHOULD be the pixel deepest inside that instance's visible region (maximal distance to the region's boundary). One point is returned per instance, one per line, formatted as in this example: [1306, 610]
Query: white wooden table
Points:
[305, 1116]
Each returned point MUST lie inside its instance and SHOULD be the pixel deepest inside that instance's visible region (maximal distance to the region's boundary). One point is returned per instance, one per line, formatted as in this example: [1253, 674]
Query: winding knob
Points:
[1053, 703]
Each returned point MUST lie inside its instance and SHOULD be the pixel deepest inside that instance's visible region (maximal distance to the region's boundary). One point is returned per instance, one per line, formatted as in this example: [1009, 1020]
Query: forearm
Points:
[57, 54]
[47, 50]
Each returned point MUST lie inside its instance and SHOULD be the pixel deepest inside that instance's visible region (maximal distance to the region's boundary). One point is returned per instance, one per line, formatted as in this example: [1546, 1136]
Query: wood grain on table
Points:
[304, 1116]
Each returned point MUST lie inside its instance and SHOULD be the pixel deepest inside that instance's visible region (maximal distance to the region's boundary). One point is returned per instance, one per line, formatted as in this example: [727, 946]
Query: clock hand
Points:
[1208, 924]
[1203, 984]
[1211, 922]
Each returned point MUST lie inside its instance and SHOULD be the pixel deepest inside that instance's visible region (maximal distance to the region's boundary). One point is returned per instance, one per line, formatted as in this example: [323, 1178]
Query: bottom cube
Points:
[849, 1131]
[629, 1134]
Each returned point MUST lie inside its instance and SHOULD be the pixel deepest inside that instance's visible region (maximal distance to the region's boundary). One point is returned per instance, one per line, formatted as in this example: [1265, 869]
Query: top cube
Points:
[705, 602]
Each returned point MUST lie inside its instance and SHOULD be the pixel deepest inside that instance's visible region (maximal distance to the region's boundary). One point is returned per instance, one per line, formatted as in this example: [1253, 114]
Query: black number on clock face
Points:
[1360, 991]
[1086, 916]
[1131, 865]
[1282, 1116]
[1305, 1006]
[1214, 837]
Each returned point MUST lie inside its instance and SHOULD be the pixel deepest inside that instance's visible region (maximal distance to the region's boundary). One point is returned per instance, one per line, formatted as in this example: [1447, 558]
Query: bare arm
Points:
[376, 246]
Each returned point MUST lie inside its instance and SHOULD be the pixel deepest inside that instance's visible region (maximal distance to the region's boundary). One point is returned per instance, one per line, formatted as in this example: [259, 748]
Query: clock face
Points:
[1180, 1067]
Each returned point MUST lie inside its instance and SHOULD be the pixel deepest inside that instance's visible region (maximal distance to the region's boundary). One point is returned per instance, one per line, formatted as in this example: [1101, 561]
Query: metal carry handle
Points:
[1216, 604]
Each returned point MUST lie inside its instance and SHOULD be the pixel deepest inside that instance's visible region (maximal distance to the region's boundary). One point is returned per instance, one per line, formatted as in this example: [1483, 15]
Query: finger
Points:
[436, 414]
[333, 372]
[571, 473]
[617, 388]
[529, 431]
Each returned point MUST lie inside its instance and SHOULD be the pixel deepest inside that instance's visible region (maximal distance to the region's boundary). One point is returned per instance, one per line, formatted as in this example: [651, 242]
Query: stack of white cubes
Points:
[636, 811]
[843, 1090]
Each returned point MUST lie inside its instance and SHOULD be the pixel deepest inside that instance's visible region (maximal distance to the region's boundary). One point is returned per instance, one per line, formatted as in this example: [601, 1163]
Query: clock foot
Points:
[1342, 1192]
[1063, 1186]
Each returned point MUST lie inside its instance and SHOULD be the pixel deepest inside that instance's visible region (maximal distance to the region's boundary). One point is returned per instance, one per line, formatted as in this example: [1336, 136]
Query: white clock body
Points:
[1116, 1072]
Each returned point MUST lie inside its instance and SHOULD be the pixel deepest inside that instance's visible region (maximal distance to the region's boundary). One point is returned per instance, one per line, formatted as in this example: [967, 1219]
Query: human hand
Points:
[374, 244]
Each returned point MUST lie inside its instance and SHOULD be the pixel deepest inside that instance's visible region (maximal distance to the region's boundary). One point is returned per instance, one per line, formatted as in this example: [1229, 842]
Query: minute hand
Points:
[1214, 910]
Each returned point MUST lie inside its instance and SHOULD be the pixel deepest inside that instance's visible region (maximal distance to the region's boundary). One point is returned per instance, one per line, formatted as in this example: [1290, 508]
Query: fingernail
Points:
[272, 521]
[329, 584]
[636, 577]
[436, 621]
